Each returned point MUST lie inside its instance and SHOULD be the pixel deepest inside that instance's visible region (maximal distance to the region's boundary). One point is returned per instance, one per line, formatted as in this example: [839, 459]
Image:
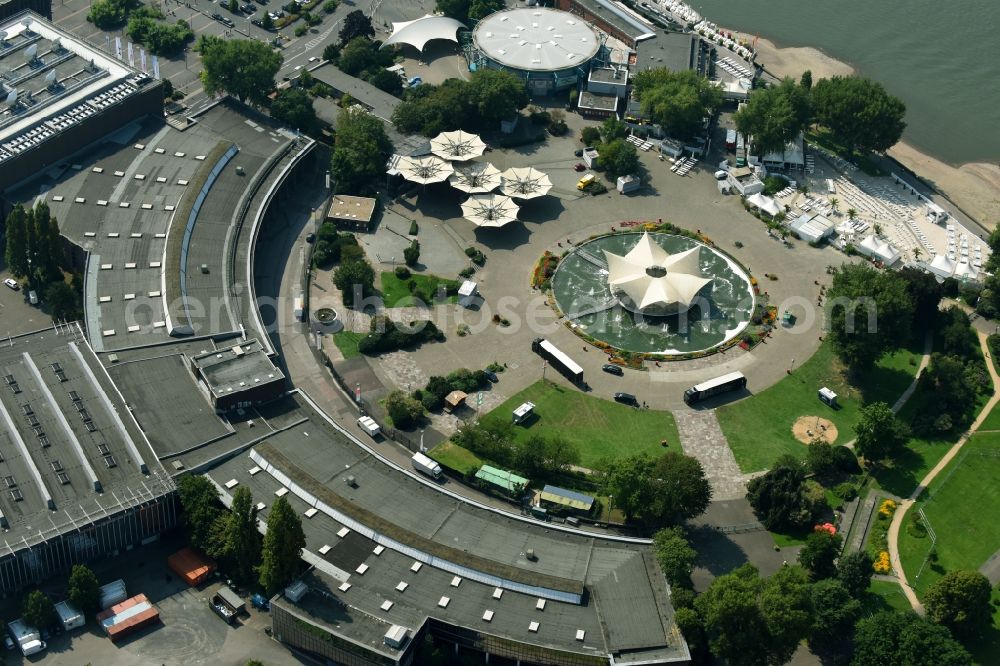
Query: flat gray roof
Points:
[615, 75]
[380, 102]
[68, 447]
[589, 100]
[237, 367]
[673, 50]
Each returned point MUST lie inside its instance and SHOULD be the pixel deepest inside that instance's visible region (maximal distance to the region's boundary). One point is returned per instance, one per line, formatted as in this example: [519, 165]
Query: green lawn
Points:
[884, 595]
[760, 429]
[992, 421]
[599, 428]
[396, 292]
[347, 343]
[962, 506]
[455, 457]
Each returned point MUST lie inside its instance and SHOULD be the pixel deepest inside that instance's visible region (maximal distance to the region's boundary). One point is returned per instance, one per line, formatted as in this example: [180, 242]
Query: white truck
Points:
[426, 465]
[368, 424]
[28, 639]
[523, 411]
[69, 616]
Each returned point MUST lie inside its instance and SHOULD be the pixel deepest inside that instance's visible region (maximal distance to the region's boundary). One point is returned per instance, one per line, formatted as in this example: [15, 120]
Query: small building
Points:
[812, 228]
[568, 499]
[626, 184]
[499, 479]
[597, 105]
[523, 411]
[671, 148]
[69, 616]
[191, 566]
[608, 81]
[128, 616]
[239, 376]
[467, 293]
[454, 400]
[745, 181]
[591, 157]
[351, 212]
[792, 157]
[828, 397]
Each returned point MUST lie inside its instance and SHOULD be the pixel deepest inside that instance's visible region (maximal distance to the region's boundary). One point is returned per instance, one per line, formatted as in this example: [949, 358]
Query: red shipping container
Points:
[191, 565]
[128, 616]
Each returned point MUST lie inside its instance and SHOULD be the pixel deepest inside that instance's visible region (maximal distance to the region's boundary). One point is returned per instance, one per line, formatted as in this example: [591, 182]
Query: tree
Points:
[495, 95]
[854, 571]
[201, 508]
[819, 554]
[358, 55]
[355, 280]
[38, 610]
[958, 338]
[242, 67]
[881, 434]
[859, 113]
[954, 388]
[387, 81]
[612, 129]
[834, 613]
[778, 497]
[403, 410]
[480, 9]
[590, 136]
[267, 23]
[619, 158]
[283, 544]
[358, 162]
[820, 457]
[675, 556]
[628, 480]
[774, 116]
[63, 301]
[108, 14]
[239, 542]
[356, 24]
[753, 622]
[924, 291]
[869, 312]
[411, 253]
[83, 590]
[294, 107]
[680, 489]
[896, 638]
[679, 101]
[960, 600]
[16, 252]
[806, 81]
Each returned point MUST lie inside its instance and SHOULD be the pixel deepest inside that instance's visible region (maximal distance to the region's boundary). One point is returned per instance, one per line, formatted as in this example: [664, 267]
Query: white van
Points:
[33, 647]
[368, 424]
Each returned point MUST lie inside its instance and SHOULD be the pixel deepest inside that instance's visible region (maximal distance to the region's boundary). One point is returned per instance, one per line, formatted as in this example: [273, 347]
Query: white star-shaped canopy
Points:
[653, 280]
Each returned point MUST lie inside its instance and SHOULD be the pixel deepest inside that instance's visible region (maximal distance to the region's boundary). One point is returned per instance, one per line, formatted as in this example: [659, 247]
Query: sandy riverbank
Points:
[974, 187]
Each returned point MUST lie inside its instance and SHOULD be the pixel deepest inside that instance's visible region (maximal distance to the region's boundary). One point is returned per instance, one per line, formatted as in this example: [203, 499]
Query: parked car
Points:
[260, 601]
[578, 152]
[613, 369]
[310, 238]
[12, 283]
[627, 399]
[579, 166]
[492, 376]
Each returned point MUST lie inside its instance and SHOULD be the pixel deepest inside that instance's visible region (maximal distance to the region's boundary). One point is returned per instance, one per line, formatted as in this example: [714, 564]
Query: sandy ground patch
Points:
[792, 61]
[810, 428]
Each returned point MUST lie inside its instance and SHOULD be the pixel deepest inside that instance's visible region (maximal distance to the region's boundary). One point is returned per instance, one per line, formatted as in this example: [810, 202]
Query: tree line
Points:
[858, 113]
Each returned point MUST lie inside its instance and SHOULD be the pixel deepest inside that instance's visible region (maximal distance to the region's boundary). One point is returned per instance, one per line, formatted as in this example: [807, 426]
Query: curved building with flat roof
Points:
[550, 49]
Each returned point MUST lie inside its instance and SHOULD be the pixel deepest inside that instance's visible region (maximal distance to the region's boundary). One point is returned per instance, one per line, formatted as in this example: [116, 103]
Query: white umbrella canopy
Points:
[490, 210]
[476, 177]
[525, 183]
[458, 146]
[425, 170]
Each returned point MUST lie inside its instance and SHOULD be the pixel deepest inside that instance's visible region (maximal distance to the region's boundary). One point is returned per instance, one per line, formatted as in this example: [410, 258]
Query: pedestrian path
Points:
[702, 438]
[897, 518]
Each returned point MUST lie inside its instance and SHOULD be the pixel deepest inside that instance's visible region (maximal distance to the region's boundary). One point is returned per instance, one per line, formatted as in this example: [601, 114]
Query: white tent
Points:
[476, 177]
[941, 265]
[964, 271]
[764, 203]
[424, 170]
[490, 210]
[525, 183]
[876, 248]
[422, 30]
[652, 280]
[458, 146]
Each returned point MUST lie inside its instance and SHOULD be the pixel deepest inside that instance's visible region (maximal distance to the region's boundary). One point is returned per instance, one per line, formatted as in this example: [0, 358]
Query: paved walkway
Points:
[897, 519]
[702, 438]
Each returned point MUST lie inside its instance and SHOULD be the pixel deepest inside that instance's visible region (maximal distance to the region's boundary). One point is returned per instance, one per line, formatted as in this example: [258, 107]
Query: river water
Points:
[941, 58]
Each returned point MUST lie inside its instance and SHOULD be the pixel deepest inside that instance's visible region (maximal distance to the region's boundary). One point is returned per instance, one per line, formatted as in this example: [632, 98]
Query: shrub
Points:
[411, 255]
[467, 272]
[597, 187]
[845, 491]
[403, 410]
[403, 273]
[413, 228]
[330, 6]
[590, 136]
[845, 460]
[301, 30]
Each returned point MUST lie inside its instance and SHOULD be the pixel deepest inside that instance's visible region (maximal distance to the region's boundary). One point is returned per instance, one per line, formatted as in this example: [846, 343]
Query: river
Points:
[941, 58]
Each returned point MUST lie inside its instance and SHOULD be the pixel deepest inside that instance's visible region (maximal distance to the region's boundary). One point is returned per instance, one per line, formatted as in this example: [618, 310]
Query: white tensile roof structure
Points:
[457, 146]
[490, 210]
[655, 281]
[941, 265]
[476, 177]
[878, 249]
[963, 271]
[525, 183]
[417, 33]
[765, 203]
[425, 170]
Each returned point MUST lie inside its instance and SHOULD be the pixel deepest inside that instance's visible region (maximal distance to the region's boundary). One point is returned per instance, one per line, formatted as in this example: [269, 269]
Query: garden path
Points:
[702, 438]
[897, 518]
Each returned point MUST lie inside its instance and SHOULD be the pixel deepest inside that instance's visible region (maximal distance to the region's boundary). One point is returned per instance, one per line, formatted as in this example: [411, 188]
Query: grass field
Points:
[396, 292]
[884, 595]
[598, 427]
[992, 421]
[347, 343]
[457, 458]
[760, 429]
[962, 506]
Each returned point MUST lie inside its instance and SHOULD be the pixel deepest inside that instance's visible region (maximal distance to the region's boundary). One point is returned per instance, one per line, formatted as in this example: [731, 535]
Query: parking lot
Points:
[190, 632]
[16, 314]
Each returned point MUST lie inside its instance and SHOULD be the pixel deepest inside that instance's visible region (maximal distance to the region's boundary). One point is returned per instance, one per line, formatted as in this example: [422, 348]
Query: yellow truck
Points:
[586, 181]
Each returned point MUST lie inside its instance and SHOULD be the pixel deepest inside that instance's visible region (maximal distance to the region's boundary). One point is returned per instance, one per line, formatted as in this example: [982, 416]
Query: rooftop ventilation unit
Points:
[530, 554]
[396, 636]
